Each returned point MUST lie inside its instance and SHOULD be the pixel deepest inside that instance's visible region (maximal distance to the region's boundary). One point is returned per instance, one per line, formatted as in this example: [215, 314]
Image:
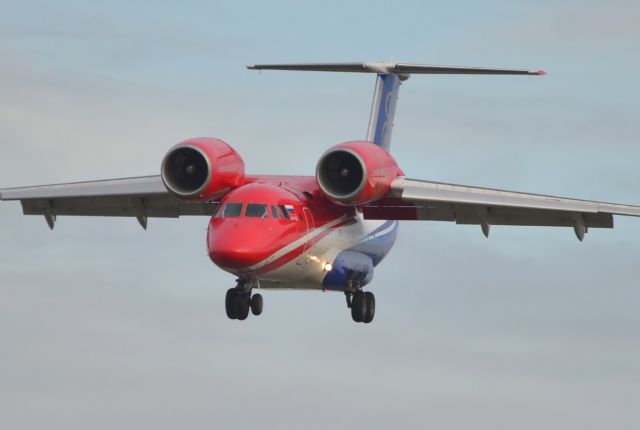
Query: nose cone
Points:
[239, 244]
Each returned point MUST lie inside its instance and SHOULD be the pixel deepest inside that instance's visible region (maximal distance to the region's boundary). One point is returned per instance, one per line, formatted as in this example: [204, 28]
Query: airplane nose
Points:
[234, 246]
[231, 258]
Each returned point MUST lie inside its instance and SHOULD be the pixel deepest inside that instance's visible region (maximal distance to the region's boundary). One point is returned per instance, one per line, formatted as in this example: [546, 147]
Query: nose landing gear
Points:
[239, 301]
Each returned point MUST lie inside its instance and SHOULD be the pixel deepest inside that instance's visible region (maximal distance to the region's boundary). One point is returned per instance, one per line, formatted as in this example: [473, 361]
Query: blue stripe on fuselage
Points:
[378, 246]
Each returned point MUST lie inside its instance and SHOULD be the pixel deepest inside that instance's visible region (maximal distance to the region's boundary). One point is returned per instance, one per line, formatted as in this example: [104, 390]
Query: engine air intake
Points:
[356, 173]
[341, 174]
[186, 171]
[201, 169]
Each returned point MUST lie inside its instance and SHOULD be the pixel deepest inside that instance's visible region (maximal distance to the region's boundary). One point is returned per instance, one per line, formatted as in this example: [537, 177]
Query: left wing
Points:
[139, 197]
[411, 199]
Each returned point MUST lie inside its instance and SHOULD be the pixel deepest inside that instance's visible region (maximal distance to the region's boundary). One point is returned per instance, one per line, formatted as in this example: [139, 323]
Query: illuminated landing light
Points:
[313, 258]
[327, 267]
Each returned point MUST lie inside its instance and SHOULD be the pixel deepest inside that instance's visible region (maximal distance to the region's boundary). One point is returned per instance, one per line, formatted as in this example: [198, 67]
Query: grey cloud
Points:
[582, 25]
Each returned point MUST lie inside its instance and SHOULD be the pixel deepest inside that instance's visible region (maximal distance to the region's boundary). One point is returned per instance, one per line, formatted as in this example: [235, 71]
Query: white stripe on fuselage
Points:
[295, 244]
[308, 273]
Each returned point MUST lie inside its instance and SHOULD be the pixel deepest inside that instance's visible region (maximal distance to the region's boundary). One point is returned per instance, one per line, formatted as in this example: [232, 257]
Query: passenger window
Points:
[256, 210]
[230, 210]
[275, 212]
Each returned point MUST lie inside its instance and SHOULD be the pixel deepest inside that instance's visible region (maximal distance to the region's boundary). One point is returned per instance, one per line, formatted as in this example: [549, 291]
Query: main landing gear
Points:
[362, 304]
[239, 301]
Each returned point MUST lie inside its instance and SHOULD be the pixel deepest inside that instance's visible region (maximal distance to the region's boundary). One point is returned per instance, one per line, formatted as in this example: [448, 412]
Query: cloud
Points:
[583, 25]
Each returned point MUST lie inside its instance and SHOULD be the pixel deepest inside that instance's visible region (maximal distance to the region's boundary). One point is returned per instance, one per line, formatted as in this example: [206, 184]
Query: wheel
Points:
[370, 307]
[230, 303]
[358, 306]
[242, 306]
[256, 304]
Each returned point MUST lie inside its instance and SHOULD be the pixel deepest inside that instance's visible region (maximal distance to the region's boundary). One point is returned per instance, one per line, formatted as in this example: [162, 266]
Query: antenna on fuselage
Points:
[389, 78]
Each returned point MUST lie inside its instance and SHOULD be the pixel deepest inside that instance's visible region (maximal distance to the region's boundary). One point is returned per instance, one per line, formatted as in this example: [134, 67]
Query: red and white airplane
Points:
[322, 232]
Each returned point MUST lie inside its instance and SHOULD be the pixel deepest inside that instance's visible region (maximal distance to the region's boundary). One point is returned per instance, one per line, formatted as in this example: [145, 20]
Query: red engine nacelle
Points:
[355, 173]
[202, 169]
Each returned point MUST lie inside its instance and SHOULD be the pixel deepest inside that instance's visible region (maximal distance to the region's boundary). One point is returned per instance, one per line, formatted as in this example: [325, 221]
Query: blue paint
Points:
[386, 110]
[384, 226]
[349, 265]
[359, 261]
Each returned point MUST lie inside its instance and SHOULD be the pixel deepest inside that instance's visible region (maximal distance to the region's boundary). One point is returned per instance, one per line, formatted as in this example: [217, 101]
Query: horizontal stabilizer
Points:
[394, 68]
[389, 78]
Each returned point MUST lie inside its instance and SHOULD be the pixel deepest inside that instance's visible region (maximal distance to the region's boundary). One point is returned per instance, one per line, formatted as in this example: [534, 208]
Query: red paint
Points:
[239, 242]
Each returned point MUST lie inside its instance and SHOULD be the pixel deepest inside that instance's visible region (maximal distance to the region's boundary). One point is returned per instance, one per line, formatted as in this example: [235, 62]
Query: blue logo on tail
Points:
[384, 109]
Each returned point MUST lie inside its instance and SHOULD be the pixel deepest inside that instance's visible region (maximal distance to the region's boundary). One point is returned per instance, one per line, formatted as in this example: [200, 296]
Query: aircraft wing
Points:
[411, 199]
[140, 197]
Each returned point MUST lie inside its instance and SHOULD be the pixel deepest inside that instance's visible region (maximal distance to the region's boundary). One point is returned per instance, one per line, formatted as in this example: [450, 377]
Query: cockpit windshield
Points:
[229, 210]
[256, 210]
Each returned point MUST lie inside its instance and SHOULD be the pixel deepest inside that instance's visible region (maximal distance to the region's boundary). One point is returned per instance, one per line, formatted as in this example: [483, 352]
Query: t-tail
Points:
[389, 78]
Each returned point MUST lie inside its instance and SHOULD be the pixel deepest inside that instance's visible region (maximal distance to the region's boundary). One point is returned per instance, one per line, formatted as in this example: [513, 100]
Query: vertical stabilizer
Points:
[383, 109]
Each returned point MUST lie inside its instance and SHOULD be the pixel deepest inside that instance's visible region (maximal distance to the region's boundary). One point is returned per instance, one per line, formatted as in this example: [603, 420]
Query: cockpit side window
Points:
[257, 210]
[276, 212]
[229, 210]
[285, 214]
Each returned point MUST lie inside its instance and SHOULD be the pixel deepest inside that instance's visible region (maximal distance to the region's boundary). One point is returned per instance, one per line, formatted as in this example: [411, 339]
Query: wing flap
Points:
[117, 206]
[529, 217]
[468, 214]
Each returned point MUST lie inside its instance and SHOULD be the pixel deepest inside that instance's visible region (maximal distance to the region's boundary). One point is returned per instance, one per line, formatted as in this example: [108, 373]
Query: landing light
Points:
[327, 267]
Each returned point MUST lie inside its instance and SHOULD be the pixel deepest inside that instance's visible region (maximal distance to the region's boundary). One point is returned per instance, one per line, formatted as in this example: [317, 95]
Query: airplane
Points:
[324, 232]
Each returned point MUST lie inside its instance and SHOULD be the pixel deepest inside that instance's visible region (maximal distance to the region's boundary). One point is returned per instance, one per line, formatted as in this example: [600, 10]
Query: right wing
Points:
[411, 199]
[139, 197]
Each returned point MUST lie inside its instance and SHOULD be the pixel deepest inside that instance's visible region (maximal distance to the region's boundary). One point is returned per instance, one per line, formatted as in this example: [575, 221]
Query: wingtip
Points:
[540, 73]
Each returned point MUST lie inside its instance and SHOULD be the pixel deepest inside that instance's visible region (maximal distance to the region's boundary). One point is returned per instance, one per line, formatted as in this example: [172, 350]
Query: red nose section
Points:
[243, 242]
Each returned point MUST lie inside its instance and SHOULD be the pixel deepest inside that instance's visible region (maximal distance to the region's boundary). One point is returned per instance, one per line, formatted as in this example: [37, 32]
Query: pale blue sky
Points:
[106, 326]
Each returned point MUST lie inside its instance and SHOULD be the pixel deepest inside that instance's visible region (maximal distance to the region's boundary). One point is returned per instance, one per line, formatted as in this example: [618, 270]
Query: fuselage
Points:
[282, 232]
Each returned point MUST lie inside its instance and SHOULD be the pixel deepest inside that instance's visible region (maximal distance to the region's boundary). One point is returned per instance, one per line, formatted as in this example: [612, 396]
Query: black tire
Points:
[242, 306]
[370, 307]
[357, 306]
[230, 303]
[256, 304]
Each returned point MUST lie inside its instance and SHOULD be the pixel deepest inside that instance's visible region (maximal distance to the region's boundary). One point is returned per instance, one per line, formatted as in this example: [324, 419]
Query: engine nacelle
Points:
[202, 169]
[356, 173]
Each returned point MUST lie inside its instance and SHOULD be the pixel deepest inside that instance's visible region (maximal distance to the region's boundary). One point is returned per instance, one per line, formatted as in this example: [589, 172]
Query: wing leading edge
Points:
[139, 197]
[411, 199]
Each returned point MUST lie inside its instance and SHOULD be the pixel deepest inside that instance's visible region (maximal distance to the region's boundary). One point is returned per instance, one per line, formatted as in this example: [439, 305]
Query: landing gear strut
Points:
[362, 304]
[239, 301]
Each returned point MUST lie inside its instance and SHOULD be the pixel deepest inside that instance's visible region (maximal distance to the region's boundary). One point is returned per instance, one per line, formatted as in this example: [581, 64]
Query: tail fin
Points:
[390, 76]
